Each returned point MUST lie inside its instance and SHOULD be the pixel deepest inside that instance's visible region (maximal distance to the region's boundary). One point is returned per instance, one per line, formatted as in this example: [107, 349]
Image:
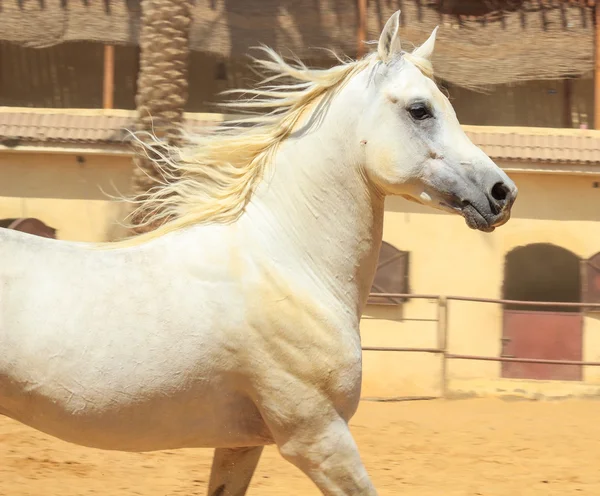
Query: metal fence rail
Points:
[442, 331]
[526, 303]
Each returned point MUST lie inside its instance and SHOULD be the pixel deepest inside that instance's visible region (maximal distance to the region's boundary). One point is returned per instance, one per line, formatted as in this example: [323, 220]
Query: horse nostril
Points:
[500, 192]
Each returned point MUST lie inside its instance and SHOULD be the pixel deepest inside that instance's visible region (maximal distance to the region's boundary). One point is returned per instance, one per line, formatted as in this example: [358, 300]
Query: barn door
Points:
[551, 274]
[542, 335]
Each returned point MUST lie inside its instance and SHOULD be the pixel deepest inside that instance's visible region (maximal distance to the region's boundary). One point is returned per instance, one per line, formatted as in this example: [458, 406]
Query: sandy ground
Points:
[464, 447]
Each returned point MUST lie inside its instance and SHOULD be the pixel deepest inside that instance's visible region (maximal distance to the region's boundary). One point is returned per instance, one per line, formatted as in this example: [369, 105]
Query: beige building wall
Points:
[66, 191]
[447, 258]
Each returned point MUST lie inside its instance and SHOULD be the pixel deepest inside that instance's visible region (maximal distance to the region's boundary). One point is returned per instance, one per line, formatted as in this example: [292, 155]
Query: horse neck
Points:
[316, 210]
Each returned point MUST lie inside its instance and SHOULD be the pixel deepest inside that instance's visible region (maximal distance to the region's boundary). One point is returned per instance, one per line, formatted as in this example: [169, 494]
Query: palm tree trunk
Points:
[162, 81]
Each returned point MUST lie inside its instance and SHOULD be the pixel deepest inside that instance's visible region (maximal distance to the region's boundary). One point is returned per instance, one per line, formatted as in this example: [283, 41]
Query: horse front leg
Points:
[324, 449]
[232, 470]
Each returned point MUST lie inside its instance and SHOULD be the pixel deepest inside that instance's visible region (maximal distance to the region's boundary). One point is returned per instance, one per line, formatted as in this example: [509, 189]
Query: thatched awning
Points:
[531, 39]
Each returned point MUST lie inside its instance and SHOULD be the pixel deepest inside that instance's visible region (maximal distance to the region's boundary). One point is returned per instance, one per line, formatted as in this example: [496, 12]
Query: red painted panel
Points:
[543, 335]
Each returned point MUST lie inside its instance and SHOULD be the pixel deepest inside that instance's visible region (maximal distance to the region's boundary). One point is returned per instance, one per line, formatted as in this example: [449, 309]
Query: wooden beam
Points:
[567, 103]
[108, 87]
[597, 68]
[362, 28]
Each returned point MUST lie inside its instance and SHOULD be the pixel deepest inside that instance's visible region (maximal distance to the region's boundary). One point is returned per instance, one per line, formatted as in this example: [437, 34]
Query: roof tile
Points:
[548, 145]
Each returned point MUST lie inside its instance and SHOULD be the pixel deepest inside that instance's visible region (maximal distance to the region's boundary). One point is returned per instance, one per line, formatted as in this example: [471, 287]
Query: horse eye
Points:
[419, 112]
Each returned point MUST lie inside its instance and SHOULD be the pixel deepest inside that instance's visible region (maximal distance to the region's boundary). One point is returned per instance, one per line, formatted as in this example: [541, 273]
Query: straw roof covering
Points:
[480, 43]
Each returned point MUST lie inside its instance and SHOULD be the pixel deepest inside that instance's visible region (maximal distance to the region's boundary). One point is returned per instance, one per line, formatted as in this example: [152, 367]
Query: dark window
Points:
[591, 281]
[29, 225]
[391, 276]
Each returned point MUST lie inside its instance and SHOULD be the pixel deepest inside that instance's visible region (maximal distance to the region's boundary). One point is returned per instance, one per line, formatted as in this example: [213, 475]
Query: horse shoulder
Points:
[304, 342]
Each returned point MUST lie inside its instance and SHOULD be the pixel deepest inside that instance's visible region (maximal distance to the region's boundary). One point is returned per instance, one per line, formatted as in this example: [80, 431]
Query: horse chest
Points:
[298, 347]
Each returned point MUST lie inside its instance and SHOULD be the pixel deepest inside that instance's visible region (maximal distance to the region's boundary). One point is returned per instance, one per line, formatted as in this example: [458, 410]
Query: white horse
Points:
[236, 324]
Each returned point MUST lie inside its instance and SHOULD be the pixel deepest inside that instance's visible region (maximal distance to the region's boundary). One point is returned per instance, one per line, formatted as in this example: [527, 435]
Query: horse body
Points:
[116, 352]
[170, 344]
[237, 334]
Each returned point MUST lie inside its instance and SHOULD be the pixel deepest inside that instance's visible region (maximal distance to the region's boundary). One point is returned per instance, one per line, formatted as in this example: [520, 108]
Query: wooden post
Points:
[442, 342]
[567, 103]
[597, 67]
[109, 77]
[362, 28]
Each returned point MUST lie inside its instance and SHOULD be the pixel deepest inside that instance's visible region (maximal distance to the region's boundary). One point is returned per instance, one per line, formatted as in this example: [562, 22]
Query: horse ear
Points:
[426, 49]
[389, 41]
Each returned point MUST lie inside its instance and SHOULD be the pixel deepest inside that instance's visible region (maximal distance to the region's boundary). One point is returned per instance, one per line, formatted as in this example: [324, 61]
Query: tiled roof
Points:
[84, 127]
[32, 127]
[537, 144]
[45, 126]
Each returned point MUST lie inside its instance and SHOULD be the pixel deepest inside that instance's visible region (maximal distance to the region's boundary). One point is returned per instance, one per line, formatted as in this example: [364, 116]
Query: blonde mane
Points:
[213, 177]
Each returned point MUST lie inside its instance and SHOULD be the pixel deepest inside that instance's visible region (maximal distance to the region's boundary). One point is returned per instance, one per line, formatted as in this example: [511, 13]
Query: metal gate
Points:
[546, 336]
